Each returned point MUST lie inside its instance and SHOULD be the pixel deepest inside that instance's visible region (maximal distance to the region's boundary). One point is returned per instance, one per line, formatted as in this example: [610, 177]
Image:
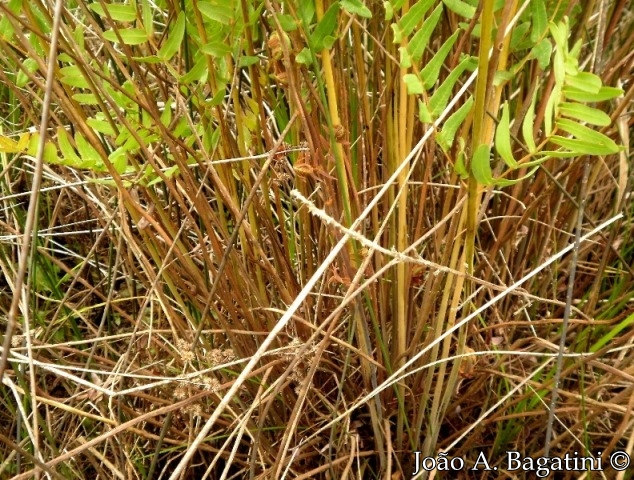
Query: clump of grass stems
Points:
[239, 242]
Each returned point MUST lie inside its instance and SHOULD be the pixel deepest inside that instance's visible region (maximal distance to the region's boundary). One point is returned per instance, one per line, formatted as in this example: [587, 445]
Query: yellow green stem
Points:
[333, 110]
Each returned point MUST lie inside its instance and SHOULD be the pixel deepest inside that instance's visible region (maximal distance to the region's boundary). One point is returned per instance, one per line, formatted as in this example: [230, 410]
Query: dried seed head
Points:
[340, 132]
[215, 357]
[211, 384]
[180, 392]
[185, 350]
[228, 355]
[194, 410]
